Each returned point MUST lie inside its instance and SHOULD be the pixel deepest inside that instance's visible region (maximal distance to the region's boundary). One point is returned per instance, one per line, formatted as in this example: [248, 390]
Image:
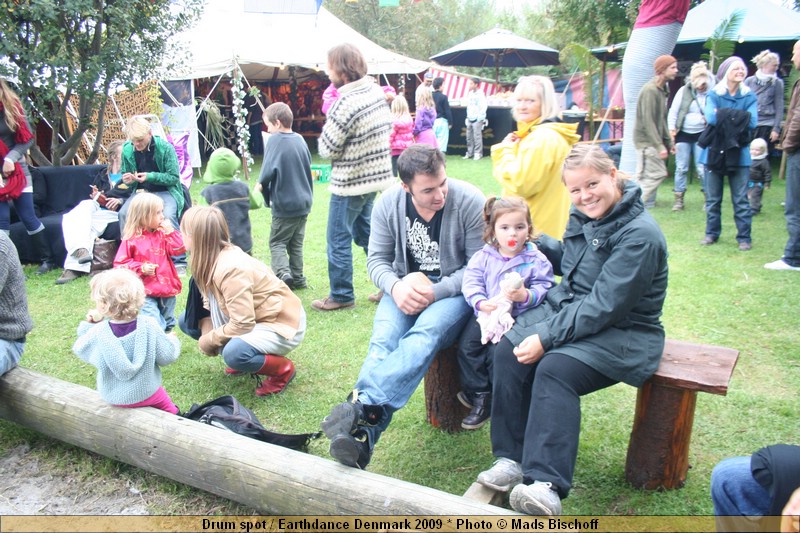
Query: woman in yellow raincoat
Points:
[528, 162]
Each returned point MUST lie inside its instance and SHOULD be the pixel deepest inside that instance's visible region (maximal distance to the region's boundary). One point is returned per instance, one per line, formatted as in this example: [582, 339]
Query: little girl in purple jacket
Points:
[508, 250]
[426, 115]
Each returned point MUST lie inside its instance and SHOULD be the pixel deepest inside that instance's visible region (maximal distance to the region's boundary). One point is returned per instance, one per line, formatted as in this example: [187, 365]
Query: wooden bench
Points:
[658, 450]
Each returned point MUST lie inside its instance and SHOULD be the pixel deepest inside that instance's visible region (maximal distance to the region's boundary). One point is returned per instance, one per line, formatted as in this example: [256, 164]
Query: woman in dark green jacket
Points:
[599, 326]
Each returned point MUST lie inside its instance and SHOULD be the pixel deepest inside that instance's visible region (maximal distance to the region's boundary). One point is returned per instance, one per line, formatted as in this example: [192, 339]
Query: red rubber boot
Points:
[279, 371]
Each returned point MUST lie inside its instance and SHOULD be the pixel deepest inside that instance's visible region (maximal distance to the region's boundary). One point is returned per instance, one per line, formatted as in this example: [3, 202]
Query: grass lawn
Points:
[717, 295]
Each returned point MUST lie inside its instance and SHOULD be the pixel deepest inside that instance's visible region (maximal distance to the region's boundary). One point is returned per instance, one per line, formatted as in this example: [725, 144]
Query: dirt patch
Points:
[30, 488]
[31, 485]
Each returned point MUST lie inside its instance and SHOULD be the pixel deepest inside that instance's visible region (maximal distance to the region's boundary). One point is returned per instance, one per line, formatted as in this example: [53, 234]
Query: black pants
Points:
[474, 363]
[536, 413]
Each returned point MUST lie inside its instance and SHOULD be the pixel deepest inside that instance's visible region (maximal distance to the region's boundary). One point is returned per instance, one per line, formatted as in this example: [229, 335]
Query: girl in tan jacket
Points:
[256, 320]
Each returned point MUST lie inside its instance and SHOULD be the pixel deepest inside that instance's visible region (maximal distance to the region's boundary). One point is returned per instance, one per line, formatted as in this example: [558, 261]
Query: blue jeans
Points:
[401, 350]
[742, 216]
[683, 156]
[348, 221]
[10, 354]
[25, 211]
[162, 310]
[791, 254]
[737, 496]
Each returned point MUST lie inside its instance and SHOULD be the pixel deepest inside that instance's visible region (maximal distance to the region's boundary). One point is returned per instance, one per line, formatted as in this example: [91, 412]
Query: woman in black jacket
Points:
[599, 326]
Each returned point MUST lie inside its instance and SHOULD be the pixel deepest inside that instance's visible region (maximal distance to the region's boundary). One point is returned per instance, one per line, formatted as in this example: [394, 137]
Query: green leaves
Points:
[86, 48]
[722, 42]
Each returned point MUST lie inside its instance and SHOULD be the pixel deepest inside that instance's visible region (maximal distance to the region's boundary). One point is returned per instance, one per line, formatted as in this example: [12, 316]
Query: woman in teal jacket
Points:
[731, 94]
[599, 326]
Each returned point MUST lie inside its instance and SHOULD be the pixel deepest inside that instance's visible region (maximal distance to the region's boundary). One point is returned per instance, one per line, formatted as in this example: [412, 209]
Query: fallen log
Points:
[270, 479]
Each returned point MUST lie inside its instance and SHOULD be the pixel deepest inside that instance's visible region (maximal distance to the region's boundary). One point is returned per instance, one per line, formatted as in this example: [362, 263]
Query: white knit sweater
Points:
[355, 138]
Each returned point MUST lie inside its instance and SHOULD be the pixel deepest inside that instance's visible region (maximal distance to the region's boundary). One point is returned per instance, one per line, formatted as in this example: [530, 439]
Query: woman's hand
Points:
[773, 136]
[206, 346]
[8, 167]
[141, 177]
[511, 138]
[128, 178]
[113, 204]
[529, 350]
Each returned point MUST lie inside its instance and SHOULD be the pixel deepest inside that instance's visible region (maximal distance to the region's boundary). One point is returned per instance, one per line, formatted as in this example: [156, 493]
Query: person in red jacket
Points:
[148, 244]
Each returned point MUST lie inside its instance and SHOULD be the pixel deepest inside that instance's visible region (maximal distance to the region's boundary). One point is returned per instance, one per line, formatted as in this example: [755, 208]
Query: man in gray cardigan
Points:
[15, 322]
[424, 232]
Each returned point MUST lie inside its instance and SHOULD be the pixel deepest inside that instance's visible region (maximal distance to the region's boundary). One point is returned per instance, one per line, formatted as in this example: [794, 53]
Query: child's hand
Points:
[149, 269]
[516, 295]
[94, 316]
[258, 188]
[166, 227]
[487, 306]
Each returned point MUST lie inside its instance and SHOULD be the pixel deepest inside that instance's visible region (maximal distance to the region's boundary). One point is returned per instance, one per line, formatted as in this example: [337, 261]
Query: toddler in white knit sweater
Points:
[127, 349]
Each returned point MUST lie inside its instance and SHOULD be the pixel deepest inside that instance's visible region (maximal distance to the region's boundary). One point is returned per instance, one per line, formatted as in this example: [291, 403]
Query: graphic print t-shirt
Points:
[422, 241]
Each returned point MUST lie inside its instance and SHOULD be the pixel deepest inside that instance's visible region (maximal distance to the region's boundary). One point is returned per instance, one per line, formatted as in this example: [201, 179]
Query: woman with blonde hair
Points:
[769, 93]
[600, 325]
[16, 184]
[687, 120]
[528, 161]
[255, 319]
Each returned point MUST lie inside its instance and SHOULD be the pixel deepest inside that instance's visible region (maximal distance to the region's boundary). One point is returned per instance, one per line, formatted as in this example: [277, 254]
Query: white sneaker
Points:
[504, 475]
[780, 264]
[467, 156]
[538, 499]
[477, 157]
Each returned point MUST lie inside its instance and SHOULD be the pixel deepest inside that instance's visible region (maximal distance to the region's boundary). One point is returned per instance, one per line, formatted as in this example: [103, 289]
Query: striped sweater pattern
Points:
[356, 140]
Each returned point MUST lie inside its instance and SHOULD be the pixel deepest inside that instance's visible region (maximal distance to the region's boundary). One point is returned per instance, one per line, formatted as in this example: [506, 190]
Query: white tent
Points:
[261, 42]
[762, 21]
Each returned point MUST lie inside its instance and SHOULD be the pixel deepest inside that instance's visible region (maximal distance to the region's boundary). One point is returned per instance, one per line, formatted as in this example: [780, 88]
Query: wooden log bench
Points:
[268, 478]
[658, 450]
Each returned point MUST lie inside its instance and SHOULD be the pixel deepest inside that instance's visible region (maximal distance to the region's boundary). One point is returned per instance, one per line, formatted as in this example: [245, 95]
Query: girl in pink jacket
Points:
[402, 129]
[148, 243]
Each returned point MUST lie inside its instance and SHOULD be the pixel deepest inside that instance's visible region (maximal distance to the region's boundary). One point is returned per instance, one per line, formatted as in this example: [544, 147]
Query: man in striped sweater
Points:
[355, 138]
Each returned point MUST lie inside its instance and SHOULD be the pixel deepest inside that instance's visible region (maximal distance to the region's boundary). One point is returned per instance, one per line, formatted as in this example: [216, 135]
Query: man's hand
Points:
[529, 350]
[411, 299]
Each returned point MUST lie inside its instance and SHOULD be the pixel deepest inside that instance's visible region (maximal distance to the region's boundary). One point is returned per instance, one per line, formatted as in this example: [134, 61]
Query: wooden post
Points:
[270, 479]
[442, 383]
[658, 452]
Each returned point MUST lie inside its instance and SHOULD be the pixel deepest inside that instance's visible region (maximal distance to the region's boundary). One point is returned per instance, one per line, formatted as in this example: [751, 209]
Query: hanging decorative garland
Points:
[240, 119]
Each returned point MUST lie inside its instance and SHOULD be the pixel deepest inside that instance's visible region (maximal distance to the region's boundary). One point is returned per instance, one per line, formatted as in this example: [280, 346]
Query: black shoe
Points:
[69, 275]
[481, 411]
[465, 398]
[45, 267]
[288, 280]
[352, 450]
[342, 420]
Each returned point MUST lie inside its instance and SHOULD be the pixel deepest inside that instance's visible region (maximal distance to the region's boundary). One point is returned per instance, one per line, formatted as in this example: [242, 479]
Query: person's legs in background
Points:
[742, 215]
[714, 186]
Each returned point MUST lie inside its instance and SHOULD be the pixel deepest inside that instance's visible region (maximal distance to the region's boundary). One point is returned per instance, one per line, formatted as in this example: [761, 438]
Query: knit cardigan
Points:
[355, 138]
[128, 368]
[15, 321]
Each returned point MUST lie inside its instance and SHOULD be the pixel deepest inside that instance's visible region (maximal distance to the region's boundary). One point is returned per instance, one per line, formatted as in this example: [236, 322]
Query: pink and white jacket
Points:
[402, 135]
[153, 247]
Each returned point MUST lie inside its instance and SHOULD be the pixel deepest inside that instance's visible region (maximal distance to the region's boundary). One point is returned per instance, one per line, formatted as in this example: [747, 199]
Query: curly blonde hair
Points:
[118, 294]
[766, 57]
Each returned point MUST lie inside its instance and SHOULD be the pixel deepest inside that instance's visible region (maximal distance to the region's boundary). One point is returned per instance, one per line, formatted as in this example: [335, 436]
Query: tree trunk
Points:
[268, 478]
[442, 383]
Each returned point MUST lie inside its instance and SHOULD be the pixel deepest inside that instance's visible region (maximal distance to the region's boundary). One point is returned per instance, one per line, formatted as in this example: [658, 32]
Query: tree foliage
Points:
[85, 48]
[592, 22]
[417, 29]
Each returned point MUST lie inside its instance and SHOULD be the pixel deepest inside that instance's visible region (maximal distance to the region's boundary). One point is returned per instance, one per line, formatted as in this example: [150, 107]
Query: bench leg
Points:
[658, 452]
[442, 383]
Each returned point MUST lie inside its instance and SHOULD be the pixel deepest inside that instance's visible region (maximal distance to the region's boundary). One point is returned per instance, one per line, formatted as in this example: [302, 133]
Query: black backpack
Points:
[226, 412]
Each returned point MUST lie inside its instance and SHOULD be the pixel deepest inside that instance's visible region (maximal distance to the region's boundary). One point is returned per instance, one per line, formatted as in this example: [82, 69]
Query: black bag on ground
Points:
[226, 412]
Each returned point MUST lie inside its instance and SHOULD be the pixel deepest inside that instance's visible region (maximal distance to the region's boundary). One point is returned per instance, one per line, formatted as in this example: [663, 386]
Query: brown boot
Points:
[678, 205]
[280, 371]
